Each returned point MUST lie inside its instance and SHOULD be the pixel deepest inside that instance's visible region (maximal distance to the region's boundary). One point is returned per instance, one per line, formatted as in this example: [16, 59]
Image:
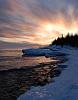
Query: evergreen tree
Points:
[71, 40]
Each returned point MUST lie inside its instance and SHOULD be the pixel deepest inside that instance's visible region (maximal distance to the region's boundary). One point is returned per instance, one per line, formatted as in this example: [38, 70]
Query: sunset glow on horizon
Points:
[37, 21]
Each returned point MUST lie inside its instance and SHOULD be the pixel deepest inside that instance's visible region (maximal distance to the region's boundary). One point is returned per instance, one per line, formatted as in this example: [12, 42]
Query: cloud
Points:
[24, 21]
[8, 45]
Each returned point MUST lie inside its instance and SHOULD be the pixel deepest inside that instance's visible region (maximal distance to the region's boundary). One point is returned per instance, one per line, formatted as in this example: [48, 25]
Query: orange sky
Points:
[37, 21]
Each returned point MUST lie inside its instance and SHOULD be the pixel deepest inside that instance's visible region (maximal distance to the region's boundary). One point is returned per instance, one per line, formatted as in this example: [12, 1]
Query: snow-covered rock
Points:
[45, 51]
[65, 86]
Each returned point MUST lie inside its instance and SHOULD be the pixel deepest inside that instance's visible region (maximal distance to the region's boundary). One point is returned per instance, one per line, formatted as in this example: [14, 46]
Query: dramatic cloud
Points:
[37, 21]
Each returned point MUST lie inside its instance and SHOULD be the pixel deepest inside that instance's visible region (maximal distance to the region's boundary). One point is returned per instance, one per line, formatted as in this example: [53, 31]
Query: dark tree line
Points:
[71, 40]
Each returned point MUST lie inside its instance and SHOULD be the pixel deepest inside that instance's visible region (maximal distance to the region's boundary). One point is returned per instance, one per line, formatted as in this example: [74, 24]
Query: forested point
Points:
[70, 40]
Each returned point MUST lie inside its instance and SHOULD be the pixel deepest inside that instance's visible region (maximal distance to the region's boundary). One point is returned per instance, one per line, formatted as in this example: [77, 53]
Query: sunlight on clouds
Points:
[37, 21]
[48, 27]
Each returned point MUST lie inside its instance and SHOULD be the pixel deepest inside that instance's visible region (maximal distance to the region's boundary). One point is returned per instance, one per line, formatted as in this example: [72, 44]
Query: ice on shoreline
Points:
[65, 86]
[44, 51]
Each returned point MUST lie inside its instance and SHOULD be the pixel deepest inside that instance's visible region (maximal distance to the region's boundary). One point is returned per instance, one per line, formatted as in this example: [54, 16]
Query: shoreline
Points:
[14, 82]
[65, 86]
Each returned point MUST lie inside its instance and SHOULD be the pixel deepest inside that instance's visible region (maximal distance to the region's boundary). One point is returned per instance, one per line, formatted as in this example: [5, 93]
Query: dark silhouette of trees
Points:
[70, 40]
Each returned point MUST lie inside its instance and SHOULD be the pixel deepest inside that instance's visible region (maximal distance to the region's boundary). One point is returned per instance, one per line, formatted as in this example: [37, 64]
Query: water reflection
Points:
[14, 82]
[10, 59]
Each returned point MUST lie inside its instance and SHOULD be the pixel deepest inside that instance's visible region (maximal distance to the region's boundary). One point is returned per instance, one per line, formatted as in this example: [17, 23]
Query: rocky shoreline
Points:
[15, 82]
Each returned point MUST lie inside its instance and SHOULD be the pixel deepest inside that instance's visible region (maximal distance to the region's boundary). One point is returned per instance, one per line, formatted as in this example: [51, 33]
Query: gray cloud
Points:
[23, 16]
[7, 45]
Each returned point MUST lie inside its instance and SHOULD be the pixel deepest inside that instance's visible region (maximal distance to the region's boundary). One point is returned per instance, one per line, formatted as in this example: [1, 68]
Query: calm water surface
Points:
[10, 59]
[18, 74]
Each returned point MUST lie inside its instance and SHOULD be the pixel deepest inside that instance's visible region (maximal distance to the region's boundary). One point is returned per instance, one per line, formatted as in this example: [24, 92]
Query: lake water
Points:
[10, 59]
[18, 74]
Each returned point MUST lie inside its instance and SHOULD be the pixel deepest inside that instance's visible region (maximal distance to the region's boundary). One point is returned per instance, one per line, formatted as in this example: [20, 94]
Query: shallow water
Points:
[10, 59]
[18, 74]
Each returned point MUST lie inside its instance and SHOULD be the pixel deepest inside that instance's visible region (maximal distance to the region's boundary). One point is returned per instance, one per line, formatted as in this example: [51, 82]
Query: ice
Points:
[65, 86]
[47, 51]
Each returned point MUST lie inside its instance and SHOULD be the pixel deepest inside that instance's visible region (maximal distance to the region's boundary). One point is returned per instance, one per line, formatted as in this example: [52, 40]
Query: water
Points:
[10, 59]
[18, 74]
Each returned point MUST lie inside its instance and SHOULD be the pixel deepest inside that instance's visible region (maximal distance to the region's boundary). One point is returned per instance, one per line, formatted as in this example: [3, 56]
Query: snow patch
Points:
[65, 86]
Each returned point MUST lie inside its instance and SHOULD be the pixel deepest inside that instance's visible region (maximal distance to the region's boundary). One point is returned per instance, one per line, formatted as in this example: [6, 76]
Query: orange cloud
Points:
[37, 22]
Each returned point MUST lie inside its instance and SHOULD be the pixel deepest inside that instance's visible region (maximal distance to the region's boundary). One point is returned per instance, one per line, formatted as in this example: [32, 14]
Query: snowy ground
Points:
[65, 86]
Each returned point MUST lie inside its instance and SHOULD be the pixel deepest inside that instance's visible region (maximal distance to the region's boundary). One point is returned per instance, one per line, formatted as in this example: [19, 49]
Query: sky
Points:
[36, 22]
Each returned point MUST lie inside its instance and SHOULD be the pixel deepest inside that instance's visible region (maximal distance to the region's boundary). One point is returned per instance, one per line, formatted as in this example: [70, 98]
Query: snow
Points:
[40, 52]
[65, 86]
